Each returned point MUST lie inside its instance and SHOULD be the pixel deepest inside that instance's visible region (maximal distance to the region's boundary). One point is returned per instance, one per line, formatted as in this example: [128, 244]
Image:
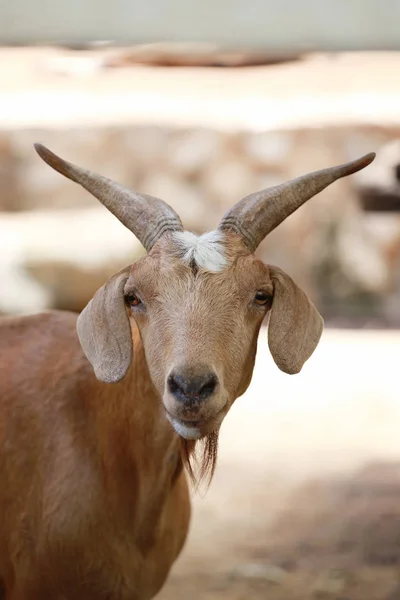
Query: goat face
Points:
[199, 302]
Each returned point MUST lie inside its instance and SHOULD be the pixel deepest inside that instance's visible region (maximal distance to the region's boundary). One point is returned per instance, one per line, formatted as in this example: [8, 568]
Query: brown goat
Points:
[94, 502]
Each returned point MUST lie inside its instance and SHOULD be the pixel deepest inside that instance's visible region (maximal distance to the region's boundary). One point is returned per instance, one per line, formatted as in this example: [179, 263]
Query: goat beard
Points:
[199, 458]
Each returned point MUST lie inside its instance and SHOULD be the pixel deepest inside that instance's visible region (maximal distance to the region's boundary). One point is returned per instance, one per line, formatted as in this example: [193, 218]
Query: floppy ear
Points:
[295, 325]
[104, 331]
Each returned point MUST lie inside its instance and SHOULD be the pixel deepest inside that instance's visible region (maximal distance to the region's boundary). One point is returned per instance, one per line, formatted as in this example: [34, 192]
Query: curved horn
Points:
[258, 214]
[147, 217]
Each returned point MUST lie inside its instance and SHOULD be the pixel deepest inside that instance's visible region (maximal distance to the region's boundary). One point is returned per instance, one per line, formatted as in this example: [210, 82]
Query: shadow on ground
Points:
[336, 538]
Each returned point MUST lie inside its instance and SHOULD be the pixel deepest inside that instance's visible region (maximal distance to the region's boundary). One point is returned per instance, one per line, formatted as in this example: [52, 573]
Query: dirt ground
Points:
[305, 502]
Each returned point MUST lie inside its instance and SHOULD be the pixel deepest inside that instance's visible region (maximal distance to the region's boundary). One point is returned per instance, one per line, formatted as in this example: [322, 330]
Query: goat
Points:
[94, 500]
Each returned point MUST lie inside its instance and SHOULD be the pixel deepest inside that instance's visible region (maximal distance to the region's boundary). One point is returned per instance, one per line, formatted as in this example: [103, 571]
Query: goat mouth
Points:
[197, 423]
[195, 429]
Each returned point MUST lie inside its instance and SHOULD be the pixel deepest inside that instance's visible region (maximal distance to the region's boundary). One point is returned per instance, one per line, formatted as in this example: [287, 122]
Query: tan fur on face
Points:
[200, 317]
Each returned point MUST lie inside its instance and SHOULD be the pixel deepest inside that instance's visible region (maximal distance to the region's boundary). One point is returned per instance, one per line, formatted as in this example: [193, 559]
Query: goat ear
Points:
[295, 325]
[104, 331]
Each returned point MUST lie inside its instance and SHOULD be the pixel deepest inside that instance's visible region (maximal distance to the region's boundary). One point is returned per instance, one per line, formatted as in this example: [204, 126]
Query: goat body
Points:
[94, 503]
[93, 499]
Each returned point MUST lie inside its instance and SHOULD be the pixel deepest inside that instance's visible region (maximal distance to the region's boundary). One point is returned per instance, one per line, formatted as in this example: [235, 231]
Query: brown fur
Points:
[200, 458]
[93, 500]
[94, 503]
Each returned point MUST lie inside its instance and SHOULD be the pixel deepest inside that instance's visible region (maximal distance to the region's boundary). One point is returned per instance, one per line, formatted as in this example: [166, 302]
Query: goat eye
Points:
[262, 298]
[132, 300]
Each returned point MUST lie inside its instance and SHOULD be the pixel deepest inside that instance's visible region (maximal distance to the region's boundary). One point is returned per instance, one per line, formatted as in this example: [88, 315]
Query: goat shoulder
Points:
[90, 505]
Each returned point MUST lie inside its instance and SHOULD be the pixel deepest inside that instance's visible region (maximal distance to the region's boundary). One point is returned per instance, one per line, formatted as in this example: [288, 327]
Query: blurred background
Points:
[202, 104]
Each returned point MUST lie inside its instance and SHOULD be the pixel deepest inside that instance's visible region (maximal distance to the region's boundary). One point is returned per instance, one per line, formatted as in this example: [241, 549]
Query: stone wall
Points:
[63, 245]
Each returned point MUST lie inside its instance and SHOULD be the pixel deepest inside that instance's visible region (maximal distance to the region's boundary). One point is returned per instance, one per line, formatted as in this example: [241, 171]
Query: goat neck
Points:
[137, 476]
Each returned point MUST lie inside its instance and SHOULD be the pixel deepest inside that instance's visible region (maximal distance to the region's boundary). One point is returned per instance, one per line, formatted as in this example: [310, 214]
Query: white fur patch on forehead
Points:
[206, 251]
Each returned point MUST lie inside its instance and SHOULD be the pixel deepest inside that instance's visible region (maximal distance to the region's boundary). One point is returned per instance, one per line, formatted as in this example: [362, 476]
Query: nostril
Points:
[173, 384]
[192, 387]
[208, 387]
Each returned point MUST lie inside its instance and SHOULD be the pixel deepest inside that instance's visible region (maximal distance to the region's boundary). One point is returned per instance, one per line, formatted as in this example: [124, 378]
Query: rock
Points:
[186, 199]
[266, 179]
[329, 585]
[9, 175]
[270, 573]
[190, 152]
[360, 257]
[100, 150]
[78, 65]
[357, 142]
[228, 181]
[191, 54]
[147, 148]
[268, 149]
[58, 259]
[379, 185]
[382, 172]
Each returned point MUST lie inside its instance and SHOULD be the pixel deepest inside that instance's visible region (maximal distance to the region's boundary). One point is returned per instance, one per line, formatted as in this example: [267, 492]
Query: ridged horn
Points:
[258, 214]
[147, 217]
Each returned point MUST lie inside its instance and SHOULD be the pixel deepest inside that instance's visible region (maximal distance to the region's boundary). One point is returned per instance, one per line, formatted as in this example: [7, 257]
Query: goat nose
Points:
[195, 388]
